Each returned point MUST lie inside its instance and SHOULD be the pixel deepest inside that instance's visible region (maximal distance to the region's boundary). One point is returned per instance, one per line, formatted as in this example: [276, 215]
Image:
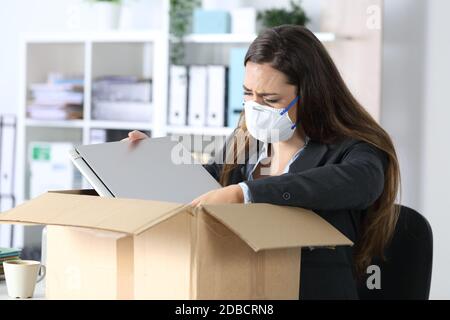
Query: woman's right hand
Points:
[135, 136]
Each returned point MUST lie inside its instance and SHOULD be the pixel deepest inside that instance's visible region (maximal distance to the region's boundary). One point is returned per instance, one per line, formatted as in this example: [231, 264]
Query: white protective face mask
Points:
[268, 124]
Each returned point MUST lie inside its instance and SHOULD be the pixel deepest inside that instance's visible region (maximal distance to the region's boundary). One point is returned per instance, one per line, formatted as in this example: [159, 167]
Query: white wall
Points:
[435, 186]
[415, 111]
[22, 16]
[403, 89]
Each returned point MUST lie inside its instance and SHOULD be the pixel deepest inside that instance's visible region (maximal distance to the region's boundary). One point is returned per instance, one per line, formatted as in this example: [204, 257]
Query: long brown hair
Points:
[328, 112]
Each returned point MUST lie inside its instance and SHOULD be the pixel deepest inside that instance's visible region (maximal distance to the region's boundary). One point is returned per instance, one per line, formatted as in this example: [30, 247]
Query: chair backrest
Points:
[406, 272]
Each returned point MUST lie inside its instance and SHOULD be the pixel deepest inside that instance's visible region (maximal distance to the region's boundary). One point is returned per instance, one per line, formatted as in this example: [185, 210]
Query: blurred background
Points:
[86, 71]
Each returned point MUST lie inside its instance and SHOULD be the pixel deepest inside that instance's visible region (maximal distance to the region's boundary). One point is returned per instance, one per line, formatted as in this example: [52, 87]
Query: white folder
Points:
[5, 235]
[7, 155]
[197, 96]
[18, 236]
[6, 229]
[7, 175]
[216, 96]
[53, 171]
[178, 95]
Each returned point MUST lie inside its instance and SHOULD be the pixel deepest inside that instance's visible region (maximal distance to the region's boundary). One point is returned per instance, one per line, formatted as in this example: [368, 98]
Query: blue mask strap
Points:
[290, 106]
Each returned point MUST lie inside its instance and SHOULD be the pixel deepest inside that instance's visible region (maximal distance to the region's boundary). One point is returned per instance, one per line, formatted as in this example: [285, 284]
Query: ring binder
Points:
[8, 132]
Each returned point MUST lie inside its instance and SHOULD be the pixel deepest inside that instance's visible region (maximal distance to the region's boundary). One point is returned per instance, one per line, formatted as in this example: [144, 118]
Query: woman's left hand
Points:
[230, 194]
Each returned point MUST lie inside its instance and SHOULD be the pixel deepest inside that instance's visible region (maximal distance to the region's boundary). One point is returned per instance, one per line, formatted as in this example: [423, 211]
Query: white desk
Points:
[39, 291]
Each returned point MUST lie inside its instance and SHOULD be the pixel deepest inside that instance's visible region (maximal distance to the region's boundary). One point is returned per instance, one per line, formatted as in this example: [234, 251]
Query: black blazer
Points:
[337, 181]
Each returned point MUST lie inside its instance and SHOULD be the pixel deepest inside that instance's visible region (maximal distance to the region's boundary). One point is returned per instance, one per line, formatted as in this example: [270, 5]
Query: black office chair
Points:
[406, 272]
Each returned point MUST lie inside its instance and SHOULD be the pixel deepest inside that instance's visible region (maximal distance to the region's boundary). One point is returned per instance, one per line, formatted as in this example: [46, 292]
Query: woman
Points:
[318, 149]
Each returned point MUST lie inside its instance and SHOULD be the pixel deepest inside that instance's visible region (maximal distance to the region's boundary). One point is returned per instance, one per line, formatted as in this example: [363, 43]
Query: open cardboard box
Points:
[111, 248]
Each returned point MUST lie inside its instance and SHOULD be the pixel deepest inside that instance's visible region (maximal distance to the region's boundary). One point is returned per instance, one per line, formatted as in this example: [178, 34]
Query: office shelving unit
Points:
[59, 52]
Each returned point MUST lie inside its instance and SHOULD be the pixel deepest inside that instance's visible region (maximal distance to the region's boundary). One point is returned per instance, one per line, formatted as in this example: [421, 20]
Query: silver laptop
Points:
[142, 170]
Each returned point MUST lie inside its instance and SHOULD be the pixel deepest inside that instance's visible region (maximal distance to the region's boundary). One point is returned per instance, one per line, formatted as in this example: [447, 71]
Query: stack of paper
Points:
[122, 89]
[7, 167]
[7, 254]
[122, 111]
[58, 99]
[122, 98]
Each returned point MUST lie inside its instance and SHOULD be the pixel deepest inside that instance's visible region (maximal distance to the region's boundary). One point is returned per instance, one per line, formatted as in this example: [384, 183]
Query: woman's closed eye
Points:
[271, 101]
[267, 101]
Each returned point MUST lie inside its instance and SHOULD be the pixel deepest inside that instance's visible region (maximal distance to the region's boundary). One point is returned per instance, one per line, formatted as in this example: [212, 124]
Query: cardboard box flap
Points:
[109, 214]
[265, 226]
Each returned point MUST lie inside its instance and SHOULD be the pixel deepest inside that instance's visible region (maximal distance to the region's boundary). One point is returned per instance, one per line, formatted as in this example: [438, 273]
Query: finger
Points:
[142, 135]
[137, 135]
[133, 136]
[194, 202]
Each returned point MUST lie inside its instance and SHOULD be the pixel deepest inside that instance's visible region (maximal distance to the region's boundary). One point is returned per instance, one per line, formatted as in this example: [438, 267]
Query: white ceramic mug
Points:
[21, 277]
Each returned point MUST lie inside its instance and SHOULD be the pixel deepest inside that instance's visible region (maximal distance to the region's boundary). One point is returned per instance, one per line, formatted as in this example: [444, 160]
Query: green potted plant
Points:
[278, 16]
[107, 13]
[180, 25]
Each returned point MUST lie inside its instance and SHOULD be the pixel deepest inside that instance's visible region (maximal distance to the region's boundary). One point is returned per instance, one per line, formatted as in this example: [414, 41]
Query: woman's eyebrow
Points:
[261, 94]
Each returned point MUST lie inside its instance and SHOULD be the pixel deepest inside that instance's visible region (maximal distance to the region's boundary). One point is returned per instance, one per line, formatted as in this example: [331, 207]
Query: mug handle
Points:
[41, 274]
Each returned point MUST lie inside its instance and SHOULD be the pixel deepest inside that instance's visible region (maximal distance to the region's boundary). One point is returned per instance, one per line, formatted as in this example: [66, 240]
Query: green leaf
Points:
[275, 17]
